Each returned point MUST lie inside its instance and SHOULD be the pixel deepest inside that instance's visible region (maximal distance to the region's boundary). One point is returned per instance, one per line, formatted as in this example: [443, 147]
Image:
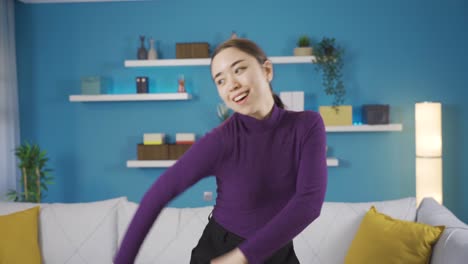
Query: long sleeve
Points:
[198, 162]
[303, 207]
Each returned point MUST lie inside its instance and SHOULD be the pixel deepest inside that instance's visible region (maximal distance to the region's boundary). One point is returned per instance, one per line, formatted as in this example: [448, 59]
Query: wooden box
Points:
[153, 152]
[192, 50]
[177, 150]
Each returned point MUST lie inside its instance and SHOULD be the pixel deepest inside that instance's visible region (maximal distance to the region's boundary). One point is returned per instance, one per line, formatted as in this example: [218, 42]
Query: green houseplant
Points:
[303, 41]
[303, 46]
[329, 62]
[35, 176]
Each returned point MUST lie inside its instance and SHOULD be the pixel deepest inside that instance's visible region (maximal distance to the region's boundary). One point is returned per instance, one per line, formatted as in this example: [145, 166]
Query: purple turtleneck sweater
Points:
[271, 177]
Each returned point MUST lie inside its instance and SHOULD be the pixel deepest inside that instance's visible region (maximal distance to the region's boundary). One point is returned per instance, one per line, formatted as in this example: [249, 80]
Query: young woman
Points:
[269, 163]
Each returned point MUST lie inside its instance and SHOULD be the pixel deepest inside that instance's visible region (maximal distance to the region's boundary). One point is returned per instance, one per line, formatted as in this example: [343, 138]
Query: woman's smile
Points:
[241, 98]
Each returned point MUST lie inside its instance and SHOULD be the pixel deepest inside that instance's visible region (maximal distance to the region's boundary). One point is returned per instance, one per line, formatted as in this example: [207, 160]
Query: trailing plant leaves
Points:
[329, 62]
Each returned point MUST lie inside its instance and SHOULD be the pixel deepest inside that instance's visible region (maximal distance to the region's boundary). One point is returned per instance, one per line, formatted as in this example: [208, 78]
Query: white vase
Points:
[152, 54]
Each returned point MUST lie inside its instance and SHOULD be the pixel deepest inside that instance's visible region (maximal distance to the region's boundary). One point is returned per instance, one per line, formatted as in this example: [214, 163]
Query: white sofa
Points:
[90, 232]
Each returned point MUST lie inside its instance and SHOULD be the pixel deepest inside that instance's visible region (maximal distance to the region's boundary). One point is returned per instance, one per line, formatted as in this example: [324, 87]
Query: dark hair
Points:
[252, 49]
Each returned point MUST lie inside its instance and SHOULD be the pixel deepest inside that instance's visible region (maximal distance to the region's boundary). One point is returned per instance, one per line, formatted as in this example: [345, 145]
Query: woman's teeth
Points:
[240, 97]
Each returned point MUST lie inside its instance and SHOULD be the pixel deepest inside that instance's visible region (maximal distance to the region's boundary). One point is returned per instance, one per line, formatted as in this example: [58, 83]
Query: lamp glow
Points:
[428, 132]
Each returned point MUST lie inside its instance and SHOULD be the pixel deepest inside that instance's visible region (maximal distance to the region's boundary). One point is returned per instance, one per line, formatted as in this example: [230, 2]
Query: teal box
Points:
[95, 85]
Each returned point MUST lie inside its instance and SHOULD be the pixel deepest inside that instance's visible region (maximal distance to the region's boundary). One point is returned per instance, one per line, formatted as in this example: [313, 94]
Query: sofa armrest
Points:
[453, 244]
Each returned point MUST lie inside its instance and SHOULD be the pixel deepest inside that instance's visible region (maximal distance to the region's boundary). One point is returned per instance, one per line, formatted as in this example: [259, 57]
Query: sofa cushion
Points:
[173, 235]
[85, 232]
[327, 239]
[75, 232]
[383, 239]
[453, 244]
[19, 234]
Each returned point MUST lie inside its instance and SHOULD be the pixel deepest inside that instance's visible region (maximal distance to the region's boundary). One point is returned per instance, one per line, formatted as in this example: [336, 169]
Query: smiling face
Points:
[243, 83]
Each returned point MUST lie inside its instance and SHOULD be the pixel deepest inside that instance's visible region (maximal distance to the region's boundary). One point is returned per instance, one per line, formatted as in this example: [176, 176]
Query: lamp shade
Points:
[428, 132]
[429, 179]
[428, 126]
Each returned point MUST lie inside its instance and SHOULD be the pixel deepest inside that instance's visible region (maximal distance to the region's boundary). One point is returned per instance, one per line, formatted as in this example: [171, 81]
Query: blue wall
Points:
[398, 52]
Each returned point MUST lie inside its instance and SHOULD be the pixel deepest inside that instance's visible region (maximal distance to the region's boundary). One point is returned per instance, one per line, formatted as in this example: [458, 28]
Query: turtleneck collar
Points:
[253, 125]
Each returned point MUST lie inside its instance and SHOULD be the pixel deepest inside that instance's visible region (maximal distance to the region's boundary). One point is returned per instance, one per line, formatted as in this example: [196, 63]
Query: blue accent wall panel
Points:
[397, 53]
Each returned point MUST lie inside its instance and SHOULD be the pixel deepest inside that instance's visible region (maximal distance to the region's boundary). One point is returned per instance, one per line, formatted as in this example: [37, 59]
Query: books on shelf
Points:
[185, 138]
[153, 138]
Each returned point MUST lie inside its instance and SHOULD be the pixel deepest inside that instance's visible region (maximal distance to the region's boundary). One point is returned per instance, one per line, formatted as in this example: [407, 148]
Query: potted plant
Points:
[329, 62]
[34, 174]
[303, 47]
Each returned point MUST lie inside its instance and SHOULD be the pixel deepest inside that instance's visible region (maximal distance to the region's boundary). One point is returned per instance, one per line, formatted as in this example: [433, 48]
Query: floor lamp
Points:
[428, 132]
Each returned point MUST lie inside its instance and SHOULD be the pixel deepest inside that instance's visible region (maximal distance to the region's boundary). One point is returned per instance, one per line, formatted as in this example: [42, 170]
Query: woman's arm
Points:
[199, 161]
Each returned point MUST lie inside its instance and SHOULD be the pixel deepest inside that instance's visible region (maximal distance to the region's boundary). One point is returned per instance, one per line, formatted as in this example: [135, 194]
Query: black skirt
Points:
[216, 241]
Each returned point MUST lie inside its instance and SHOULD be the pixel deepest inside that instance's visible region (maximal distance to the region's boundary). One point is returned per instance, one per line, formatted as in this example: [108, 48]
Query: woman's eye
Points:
[239, 70]
[220, 81]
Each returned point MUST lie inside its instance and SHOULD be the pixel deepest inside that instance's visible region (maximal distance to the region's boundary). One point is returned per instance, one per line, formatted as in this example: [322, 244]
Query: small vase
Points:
[181, 87]
[142, 52]
[233, 35]
[152, 54]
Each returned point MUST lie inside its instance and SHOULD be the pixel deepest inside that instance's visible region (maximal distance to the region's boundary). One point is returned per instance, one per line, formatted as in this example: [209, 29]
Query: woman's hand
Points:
[234, 256]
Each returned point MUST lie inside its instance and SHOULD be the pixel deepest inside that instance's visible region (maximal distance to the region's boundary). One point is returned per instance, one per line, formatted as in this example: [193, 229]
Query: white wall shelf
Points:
[150, 163]
[331, 162]
[206, 61]
[130, 97]
[365, 128]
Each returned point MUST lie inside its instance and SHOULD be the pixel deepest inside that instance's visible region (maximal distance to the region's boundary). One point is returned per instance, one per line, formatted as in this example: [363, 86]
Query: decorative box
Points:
[294, 100]
[375, 114]
[95, 85]
[177, 150]
[192, 50]
[153, 152]
[342, 117]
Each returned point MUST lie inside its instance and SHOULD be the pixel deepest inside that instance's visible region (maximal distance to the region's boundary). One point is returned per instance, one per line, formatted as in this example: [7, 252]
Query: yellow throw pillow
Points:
[383, 239]
[19, 237]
